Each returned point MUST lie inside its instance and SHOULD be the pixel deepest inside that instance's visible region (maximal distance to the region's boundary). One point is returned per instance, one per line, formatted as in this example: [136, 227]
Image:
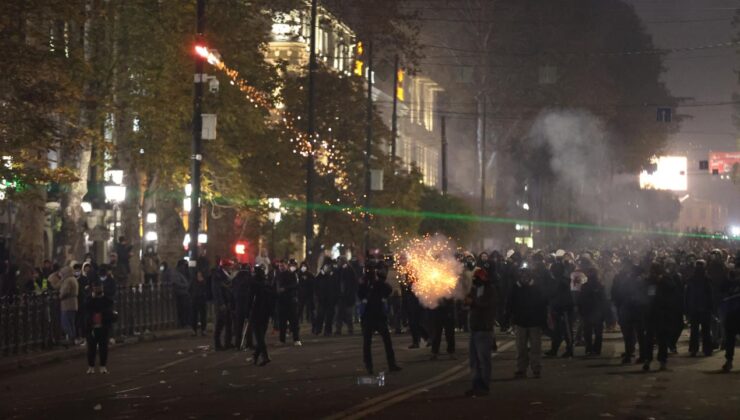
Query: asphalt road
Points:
[185, 379]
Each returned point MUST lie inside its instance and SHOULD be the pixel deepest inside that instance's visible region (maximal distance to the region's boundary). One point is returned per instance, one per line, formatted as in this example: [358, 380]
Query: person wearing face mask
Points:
[287, 292]
[527, 309]
[105, 275]
[306, 305]
[347, 297]
[327, 293]
[99, 316]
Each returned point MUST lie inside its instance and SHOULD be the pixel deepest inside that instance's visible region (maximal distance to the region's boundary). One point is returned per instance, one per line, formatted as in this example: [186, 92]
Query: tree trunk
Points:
[170, 229]
[28, 229]
[77, 157]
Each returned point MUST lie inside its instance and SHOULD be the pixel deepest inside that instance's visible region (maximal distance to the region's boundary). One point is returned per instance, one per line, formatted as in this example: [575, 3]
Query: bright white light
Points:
[114, 175]
[735, 230]
[335, 253]
[202, 238]
[115, 193]
[188, 190]
[671, 174]
[201, 51]
[150, 236]
[525, 206]
[151, 217]
[86, 207]
[187, 205]
[186, 241]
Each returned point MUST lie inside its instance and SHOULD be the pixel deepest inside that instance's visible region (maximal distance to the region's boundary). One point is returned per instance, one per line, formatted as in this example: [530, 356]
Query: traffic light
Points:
[240, 250]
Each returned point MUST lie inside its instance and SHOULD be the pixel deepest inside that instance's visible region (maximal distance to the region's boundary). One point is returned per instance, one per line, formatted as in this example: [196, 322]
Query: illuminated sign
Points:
[359, 64]
[399, 87]
[722, 162]
[670, 174]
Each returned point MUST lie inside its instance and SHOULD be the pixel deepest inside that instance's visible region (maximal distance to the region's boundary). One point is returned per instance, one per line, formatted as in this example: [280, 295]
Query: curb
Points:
[25, 363]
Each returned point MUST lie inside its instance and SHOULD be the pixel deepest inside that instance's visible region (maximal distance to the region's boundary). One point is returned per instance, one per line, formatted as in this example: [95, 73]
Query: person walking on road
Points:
[481, 304]
[223, 300]
[263, 294]
[699, 310]
[527, 309]
[327, 292]
[373, 293]
[287, 289]
[592, 305]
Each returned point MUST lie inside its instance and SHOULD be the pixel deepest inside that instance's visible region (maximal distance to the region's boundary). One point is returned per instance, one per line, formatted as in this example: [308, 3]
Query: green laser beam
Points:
[395, 212]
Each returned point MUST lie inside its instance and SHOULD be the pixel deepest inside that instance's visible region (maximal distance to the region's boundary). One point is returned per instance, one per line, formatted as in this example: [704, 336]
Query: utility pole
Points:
[394, 117]
[196, 153]
[483, 161]
[368, 142]
[443, 128]
[311, 121]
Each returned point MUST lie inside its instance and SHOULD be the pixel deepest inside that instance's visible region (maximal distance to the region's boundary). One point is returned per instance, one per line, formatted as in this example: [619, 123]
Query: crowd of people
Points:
[648, 291]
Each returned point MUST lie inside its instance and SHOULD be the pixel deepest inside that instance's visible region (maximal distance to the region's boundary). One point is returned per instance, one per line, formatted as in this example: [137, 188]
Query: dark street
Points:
[182, 379]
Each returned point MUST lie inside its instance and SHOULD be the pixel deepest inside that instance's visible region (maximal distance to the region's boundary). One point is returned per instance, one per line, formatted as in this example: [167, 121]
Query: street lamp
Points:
[274, 215]
[115, 194]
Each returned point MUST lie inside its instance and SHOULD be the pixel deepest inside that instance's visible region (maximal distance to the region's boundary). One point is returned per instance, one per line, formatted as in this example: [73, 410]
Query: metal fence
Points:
[31, 322]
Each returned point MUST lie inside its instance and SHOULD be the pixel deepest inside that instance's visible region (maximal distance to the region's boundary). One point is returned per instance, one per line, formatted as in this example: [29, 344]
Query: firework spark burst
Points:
[431, 268]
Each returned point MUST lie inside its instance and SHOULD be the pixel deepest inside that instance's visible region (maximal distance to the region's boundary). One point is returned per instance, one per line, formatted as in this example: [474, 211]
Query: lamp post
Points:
[275, 215]
[115, 194]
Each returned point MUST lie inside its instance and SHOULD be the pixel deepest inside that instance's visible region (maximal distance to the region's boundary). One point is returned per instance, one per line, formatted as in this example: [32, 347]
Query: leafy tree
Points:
[432, 201]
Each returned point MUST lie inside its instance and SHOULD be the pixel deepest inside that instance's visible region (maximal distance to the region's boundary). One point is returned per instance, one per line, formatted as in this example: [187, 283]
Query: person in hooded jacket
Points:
[527, 310]
[240, 290]
[561, 307]
[287, 292]
[662, 311]
[223, 299]
[699, 310]
[263, 295]
[347, 297]
[306, 294]
[373, 293]
[327, 293]
[99, 316]
[592, 306]
[629, 294]
[481, 301]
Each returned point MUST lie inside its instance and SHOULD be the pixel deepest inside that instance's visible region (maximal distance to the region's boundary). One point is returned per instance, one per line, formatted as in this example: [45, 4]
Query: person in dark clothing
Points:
[481, 302]
[729, 312]
[443, 318]
[108, 282]
[699, 310]
[99, 316]
[123, 253]
[561, 307]
[327, 293]
[199, 297]
[661, 312]
[178, 279]
[373, 293]
[592, 305]
[287, 293]
[240, 290]
[347, 279]
[415, 313]
[223, 299]
[527, 310]
[676, 323]
[629, 294]
[263, 293]
[306, 295]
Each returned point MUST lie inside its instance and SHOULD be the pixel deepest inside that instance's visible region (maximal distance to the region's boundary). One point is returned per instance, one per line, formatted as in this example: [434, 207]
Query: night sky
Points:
[707, 75]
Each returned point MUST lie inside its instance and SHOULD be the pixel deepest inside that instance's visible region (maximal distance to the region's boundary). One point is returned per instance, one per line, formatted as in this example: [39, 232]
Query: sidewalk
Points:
[24, 362]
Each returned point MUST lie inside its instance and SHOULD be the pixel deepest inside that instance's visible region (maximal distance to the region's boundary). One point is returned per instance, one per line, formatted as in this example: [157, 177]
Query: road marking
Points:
[378, 403]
